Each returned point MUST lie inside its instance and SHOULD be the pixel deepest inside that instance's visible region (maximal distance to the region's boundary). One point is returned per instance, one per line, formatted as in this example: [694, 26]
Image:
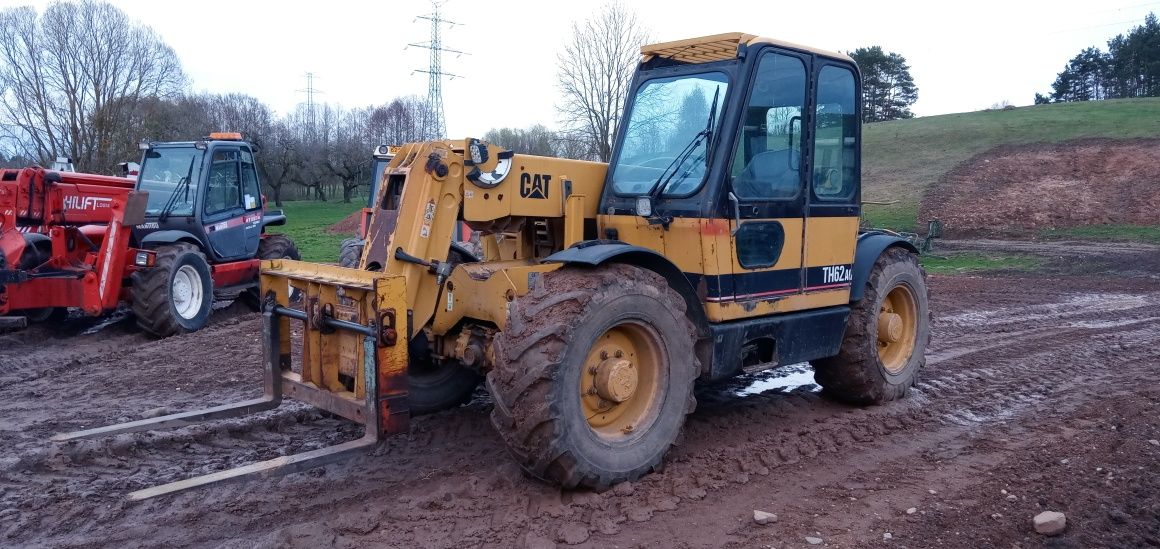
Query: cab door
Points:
[223, 210]
[767, 187]
[834, 200]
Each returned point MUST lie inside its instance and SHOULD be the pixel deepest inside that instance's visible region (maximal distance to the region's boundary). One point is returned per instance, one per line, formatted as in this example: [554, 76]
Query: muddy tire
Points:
[274, 246]
[175, 296]
[350, 253]
[38, 249]
[594, 375]
[436, 387]
[884, 346]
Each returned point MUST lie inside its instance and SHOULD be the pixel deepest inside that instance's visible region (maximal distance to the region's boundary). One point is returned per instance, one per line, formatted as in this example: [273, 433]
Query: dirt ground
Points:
[1014, 190]
[1040, 394]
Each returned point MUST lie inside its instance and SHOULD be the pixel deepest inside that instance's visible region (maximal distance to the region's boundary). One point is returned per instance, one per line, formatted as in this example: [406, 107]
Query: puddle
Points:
[783, 379]
[1076, 305]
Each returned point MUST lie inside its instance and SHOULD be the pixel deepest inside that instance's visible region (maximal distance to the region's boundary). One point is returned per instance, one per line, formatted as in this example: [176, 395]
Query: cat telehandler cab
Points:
[722, 238]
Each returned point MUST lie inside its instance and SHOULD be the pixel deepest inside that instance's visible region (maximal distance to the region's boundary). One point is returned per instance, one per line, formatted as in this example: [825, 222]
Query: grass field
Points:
[306, 224]
[1113, 233]
[973, 262]
[903, 157]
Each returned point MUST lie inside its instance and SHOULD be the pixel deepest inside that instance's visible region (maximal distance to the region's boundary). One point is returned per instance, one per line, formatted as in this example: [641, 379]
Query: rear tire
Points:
[576, 327]
[351, 253]
[274, 246]
[879, 364]
[175, 296]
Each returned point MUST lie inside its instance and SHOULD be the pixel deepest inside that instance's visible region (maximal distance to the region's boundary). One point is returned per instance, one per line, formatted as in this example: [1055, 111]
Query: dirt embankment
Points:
[1040, 393]
[348, 224]
[1020, 190]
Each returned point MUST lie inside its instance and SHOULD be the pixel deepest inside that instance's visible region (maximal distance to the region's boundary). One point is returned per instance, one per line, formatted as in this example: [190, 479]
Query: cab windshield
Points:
[169, 170]
[668, 134]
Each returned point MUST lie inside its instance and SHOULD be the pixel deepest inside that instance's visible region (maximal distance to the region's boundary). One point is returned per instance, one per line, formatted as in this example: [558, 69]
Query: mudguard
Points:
[161, 238]
[870, 246]
[599, 252]
[272, 218]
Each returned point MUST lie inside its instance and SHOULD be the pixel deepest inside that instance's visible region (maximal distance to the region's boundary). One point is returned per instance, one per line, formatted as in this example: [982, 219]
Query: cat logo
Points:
[534, 186]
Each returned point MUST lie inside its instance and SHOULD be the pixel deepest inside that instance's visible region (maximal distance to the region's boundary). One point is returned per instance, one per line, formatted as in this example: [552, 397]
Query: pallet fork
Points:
[354, 364]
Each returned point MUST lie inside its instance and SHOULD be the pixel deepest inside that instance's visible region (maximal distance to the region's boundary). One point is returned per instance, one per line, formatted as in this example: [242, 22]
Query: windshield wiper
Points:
[674, 167]
[182, 185]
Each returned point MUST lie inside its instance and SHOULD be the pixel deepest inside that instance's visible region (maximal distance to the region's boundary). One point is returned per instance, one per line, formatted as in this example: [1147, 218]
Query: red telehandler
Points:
[190, 229]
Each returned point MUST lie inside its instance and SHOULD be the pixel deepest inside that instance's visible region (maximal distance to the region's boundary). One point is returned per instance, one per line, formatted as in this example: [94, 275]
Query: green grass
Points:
[974, 262]
[306, 224]
[902, 158]
[1115, 233]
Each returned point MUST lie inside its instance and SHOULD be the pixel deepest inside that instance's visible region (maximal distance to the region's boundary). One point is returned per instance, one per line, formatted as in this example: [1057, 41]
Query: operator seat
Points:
[770, 175]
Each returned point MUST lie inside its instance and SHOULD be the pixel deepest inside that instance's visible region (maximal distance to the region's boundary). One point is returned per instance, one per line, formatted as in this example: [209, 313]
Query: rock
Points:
[761, 517]
[1050, 523]
[1154, 442]
[813, 541]
[624, 489]
[912, 510]
[573, 533]
[156, 412]
[1012, 497]
[533, 541]
[932, 492]
[887, 536]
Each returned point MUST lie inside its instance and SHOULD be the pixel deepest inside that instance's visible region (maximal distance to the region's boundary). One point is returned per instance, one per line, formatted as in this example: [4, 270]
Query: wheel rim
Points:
[187, 292]
[621, 384]
[897, 328]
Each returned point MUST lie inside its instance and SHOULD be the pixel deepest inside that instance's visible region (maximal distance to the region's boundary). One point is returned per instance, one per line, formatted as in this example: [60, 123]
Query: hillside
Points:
[903, 159]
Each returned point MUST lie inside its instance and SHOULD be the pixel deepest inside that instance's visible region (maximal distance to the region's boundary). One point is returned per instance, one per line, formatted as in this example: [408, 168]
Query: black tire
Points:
[274, 246]
[277, 246]
[350, 253]
[433, 387]
[38, 249]
[436, 386]
[155, 304]
[857, 374]
[46, 315]
[541, 366]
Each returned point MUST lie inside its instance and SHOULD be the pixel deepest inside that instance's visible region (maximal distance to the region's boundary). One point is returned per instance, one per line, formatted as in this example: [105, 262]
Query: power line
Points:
[310, 91]
[435, 72]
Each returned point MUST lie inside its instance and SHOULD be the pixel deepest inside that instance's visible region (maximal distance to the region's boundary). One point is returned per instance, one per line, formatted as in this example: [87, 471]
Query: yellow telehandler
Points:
[723, 237]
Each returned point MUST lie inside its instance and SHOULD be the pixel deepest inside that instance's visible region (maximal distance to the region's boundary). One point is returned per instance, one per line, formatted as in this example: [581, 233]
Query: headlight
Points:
[643, 206]
[143, 259]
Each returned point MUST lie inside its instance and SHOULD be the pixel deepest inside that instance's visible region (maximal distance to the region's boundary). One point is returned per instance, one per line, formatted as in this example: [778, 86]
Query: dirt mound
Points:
[1012, 190]
[348, 225]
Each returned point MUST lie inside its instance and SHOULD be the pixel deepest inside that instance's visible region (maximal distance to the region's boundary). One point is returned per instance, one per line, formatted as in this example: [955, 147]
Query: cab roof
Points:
[720, 47]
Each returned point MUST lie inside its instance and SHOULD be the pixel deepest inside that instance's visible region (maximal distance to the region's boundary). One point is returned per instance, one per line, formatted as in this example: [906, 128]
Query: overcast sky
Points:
[964, 56]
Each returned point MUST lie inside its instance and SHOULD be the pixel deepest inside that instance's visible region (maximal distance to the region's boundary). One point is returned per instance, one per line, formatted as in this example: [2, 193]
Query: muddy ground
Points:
[1022, 189]
[1040, 393]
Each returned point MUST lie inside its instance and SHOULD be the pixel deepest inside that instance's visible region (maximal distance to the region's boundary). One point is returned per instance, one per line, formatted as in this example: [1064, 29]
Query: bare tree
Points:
[537, 140]
[595, 70]
[72, 77]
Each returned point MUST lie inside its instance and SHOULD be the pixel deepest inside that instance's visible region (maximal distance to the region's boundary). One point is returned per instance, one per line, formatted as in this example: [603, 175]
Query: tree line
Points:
[84, 80]
[1129, 68]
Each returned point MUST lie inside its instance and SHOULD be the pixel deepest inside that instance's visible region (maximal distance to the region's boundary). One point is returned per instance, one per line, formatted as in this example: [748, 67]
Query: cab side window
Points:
[224, 187]
[835, 136]
[251, 192]
[767, 159]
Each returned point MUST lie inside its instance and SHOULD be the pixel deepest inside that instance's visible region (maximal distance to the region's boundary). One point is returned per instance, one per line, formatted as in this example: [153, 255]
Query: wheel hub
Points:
[890, 327]
[616, 380]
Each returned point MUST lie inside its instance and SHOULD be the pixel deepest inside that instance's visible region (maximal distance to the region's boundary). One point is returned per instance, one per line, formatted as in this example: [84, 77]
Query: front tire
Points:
[594, 375]
[884, 346]
[175, 296]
